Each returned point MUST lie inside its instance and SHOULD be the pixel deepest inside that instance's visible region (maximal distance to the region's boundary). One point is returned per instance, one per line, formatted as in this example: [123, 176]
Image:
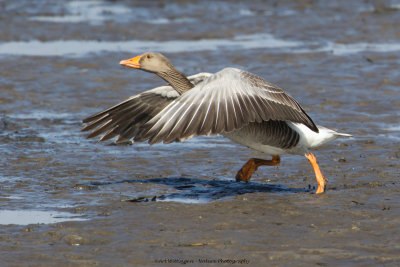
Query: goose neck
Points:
[177, 80]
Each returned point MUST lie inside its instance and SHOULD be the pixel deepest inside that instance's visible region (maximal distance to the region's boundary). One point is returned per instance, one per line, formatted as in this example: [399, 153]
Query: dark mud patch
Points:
[192, 190]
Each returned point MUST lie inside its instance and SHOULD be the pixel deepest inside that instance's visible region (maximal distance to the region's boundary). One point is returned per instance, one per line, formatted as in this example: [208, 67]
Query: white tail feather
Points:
[310, 139]
[343, 135]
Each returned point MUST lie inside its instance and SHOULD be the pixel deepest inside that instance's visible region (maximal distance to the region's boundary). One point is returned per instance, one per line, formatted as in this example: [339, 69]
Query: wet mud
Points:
[70, 201]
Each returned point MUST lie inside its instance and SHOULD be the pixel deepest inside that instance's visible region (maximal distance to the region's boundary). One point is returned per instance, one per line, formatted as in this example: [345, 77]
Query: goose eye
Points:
[148, 56]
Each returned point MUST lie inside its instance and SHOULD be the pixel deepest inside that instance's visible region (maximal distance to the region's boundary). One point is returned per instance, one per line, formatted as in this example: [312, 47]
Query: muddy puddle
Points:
[69, 201]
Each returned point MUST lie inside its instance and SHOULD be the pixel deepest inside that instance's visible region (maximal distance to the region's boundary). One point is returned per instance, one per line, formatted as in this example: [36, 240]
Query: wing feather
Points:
[219, 103]
[224, 102]
[127, 118]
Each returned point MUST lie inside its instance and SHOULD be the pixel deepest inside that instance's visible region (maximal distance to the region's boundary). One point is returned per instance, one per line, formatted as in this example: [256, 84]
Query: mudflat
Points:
[70, 201]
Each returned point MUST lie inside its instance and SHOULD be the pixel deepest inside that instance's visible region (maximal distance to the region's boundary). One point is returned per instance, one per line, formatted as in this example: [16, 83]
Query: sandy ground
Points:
[168, 205]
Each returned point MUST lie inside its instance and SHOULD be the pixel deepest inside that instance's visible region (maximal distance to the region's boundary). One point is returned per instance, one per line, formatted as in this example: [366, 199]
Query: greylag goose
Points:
[234, 103]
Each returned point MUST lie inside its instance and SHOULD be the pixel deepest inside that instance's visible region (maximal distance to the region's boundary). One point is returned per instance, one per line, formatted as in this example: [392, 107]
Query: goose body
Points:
[234, 103]
[286, 138]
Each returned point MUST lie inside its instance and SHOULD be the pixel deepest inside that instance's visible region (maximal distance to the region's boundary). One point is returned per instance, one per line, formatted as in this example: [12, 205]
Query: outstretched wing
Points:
[226, 101]
[126, 118]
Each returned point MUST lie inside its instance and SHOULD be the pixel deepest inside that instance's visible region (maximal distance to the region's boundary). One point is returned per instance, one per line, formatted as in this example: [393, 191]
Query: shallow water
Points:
[79, 48]
[26, 217]
[68, 200]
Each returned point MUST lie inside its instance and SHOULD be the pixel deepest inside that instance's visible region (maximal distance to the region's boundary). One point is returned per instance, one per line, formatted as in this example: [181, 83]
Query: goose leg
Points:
[318, 174]
[252, 165]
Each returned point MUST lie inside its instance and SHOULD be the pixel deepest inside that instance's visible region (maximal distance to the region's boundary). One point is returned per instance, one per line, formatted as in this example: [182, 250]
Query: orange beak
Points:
[132, 62]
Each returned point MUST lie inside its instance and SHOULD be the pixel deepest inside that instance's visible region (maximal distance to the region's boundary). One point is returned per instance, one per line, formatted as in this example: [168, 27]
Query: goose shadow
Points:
[193, 190]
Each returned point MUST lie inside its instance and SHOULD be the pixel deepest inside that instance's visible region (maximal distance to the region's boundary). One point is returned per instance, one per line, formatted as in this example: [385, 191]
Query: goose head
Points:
[150, 62]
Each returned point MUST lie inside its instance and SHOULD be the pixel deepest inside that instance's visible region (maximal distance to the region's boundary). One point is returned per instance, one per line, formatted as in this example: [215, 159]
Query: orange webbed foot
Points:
[244, 174]
[321, 180]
